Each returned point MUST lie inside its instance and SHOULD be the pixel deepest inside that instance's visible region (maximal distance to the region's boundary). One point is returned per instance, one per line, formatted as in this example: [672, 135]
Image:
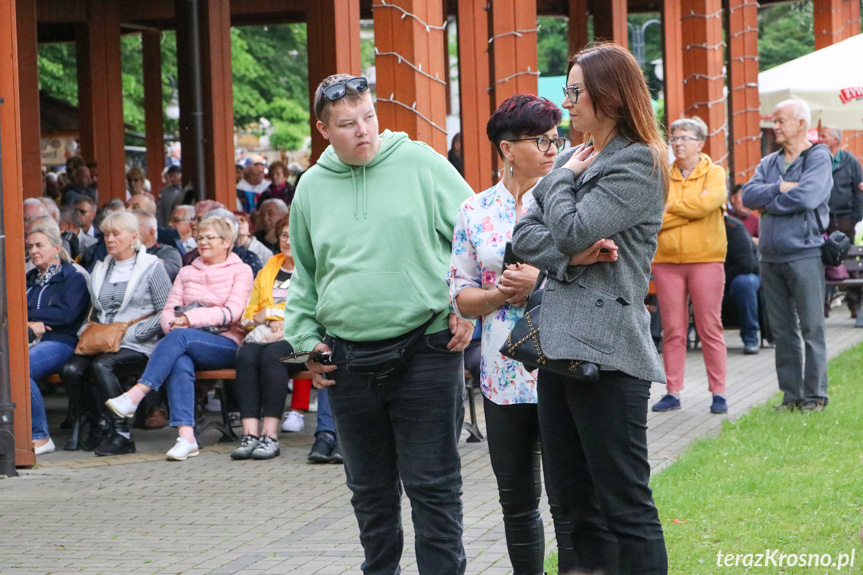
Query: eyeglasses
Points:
[178, 220]
[284, 237]
[675, 139]
[208, 239]
[338, 90]
[568, 92]
[543, 143]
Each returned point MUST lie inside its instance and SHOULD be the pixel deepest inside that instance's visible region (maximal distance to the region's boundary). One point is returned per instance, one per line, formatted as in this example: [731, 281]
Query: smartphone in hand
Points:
[509, 257]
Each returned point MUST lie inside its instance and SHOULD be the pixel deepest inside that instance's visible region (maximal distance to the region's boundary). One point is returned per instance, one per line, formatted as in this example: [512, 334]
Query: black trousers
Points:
[595, 439]
[103, 371]
[261, 386]
[515, 452]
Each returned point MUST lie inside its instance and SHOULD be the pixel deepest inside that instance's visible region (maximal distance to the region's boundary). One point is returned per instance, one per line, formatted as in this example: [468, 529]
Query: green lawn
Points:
[789, 482]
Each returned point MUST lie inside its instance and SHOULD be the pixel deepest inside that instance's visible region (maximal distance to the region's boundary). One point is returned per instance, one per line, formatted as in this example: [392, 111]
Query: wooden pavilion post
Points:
[100, 96]
[609, 22]
[742, 68]
[13, 221]
[411, 72]
[28, 83]
[703, 80]
[218, 95]
[154, 122]
[514, 66]
[672, 60]
[333, 37]
[473, 61]
[578, 15]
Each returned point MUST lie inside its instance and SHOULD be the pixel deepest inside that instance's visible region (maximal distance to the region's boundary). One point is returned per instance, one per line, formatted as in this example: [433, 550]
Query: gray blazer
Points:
[596, 313]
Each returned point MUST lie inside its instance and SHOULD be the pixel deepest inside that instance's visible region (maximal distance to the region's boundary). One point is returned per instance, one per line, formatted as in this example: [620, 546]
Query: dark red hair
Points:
[521, 115]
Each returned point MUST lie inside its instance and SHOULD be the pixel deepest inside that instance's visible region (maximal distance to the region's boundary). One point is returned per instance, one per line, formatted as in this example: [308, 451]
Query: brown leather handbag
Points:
[101, 338]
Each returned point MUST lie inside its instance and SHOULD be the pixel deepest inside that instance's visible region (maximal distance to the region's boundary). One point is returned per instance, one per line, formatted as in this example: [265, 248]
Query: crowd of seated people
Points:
[185, 289]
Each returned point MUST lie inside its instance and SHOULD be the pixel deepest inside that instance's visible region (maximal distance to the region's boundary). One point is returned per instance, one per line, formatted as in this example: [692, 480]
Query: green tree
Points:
[784, 33]
[553, 46]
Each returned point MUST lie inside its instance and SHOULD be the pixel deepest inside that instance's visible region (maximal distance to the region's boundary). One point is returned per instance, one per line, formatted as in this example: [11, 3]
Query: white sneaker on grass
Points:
[293, 421]
[182, 450]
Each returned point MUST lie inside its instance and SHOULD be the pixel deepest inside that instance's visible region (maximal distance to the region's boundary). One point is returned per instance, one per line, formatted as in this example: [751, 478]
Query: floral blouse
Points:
[484, 226]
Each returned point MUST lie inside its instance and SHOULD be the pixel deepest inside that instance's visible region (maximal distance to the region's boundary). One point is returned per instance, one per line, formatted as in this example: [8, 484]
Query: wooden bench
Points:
[853, 262]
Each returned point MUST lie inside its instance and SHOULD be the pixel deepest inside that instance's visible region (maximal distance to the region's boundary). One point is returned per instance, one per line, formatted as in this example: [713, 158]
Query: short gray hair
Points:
[71, 215]
[834, 131]
[51, 206]
[695, 125]
[117, 221]
[35, 202]
[227, 216]
[189, 210]
[145, 217]
[52, 232]
[800, 110]
[283, 207]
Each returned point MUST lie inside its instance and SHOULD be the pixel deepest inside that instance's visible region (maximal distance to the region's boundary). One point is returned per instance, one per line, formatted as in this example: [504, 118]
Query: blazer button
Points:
[599, 303]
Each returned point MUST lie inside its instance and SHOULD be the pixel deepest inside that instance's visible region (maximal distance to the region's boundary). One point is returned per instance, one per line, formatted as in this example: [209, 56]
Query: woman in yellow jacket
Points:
[261, 386]
[689, 263]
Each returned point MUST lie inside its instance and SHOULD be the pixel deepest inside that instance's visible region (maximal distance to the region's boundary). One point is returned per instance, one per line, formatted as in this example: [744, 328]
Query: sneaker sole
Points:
[663, 410]
[267, 456]
[241, 457]
[317, 459]
[183, 458]
[717, 412]
[287, 430]
[116, 412]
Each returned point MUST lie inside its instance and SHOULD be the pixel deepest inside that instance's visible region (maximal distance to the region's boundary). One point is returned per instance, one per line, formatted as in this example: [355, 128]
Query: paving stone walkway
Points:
[76, 513]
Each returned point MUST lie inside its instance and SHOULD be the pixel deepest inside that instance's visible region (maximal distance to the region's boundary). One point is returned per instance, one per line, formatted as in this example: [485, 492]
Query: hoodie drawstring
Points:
[357, 198]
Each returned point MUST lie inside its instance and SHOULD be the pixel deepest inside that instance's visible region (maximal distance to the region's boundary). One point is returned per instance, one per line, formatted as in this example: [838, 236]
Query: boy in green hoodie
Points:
[371, 231]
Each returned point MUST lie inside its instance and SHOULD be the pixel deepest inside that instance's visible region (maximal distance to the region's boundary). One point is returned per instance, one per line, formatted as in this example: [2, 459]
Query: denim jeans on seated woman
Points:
[175, 360]
[46, 357]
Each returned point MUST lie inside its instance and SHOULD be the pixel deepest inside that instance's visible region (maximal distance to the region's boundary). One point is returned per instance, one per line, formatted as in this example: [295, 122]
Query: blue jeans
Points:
[405, 429]
[46, 357]
[175, 359]
[743, 291]
[325, 413]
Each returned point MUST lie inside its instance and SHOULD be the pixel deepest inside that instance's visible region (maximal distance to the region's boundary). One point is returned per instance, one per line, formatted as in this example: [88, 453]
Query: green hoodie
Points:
[372, 244]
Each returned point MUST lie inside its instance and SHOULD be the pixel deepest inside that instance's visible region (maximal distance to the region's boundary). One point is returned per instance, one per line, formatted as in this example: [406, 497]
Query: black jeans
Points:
[595, 437]
[103, 371]
[514, 449]
[261, 386]
[404, 430]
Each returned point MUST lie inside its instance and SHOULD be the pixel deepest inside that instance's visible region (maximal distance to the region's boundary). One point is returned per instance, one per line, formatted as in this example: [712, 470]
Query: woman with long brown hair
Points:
[593, 226]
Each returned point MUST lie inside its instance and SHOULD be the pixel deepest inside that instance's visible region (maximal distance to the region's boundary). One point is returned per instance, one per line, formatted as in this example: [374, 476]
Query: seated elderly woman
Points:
[202, 322]
[128, 285]
[262, 380]
[269, 213]
[57, 302]
[246, 256]
[246, 239]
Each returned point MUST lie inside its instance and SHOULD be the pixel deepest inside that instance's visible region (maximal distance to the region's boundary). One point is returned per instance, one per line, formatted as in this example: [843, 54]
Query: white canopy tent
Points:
[830, 80]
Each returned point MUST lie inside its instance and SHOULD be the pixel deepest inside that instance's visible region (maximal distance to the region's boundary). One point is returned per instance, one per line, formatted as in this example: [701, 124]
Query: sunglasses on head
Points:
[338, 90]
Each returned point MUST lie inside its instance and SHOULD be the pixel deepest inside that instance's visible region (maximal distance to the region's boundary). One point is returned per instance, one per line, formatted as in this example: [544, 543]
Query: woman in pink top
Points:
[201, 320]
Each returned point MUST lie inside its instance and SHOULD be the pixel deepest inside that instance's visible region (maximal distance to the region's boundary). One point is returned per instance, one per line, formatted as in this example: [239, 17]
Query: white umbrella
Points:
[830, 80]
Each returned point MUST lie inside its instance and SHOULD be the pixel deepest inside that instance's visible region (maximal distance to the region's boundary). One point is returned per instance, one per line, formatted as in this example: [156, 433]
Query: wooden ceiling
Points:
[57, 18]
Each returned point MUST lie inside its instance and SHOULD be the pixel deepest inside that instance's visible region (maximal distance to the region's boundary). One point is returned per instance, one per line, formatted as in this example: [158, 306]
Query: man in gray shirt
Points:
[170, 197]
[791, 187]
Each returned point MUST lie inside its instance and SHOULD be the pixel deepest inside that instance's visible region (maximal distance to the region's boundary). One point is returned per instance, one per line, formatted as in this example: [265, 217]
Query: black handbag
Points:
[835, 248]
[522, 344]
[381, 359]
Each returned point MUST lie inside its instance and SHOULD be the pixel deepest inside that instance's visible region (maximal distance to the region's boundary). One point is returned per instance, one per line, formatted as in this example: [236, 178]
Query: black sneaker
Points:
[786, 406]
[322, 450]
[336, 457]
[116, 445]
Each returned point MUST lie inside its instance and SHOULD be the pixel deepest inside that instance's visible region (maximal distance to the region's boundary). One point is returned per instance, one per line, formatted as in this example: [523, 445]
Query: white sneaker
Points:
[313, 407]
[122, 405]
[182, 449]
[47, 448]
[293, 421]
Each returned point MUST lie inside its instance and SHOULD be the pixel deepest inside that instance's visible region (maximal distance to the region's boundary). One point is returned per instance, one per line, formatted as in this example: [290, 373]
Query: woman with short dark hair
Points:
[593, 227]
[523, 130]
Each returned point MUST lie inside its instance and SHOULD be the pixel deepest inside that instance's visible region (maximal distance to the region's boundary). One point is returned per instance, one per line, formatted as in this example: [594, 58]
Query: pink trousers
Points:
[704, 284]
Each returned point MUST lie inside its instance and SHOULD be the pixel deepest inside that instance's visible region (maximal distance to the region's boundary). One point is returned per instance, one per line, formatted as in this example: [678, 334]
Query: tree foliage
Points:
[270, 79]
[785, 32]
